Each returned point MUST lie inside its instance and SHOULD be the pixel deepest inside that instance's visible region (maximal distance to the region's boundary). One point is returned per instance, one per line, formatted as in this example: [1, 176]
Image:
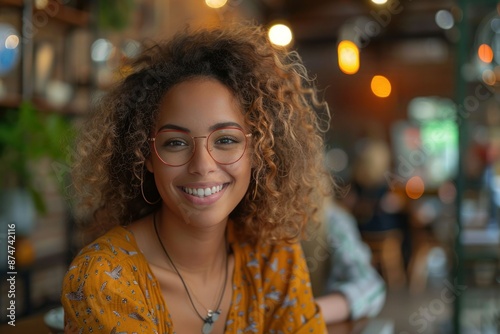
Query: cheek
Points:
[165, 180]
[241, 170]
[244, 172]
[164, 176]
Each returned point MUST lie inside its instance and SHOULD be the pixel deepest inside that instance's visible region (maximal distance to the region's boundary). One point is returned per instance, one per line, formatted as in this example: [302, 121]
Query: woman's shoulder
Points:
[117, 241]
[114, 256]
[261, 250]
[115, 247]
[264, 256]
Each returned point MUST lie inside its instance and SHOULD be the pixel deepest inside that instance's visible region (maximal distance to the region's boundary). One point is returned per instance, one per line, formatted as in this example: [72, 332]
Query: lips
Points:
[203, 192]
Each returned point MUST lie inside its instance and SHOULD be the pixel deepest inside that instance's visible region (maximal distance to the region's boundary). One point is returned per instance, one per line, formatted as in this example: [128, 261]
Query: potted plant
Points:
[27, 136]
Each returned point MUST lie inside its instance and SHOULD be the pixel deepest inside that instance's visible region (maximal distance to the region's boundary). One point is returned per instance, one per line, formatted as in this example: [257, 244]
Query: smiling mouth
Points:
[203, 192]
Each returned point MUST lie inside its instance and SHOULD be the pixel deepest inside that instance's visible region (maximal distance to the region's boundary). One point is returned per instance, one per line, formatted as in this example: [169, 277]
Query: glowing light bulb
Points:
[11, 42]
[489, 77]
[280, 34]
[415, 187]
[348, 57]
[381, 86]
[444, 19]
[215, 3]
[485, 53]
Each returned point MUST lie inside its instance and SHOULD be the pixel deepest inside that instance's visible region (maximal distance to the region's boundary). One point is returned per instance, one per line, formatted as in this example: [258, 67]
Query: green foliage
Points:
[26, 136]
[115, 14]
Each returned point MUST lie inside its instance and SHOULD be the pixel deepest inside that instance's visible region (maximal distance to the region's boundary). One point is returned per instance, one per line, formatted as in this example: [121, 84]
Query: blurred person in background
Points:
[377, 205]
[345, 284]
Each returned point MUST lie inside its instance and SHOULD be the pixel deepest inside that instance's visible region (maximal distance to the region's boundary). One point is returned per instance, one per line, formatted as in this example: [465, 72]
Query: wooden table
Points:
[348, 327]
[31, 324]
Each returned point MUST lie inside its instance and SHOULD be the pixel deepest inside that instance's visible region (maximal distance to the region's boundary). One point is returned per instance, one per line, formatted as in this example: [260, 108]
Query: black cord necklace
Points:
[212, 316]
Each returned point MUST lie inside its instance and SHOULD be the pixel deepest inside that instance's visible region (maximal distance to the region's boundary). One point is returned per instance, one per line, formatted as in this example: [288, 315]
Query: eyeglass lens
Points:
[176, 148]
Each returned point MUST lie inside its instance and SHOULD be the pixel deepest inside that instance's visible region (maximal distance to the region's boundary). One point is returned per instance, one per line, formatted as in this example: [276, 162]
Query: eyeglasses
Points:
[176, 148]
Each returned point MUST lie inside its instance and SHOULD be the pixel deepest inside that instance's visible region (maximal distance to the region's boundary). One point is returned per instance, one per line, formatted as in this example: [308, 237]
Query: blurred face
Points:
[198, 185]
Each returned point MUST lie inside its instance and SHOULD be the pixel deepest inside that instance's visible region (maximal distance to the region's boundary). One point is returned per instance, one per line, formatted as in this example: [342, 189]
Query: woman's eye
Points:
[175, 142]
[225, 140]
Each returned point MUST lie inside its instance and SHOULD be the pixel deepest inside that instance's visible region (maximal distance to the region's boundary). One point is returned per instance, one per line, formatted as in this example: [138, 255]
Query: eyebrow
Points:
[211, 128]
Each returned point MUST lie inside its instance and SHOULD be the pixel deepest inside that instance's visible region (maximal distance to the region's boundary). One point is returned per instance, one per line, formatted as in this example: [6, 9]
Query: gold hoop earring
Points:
[142, 190]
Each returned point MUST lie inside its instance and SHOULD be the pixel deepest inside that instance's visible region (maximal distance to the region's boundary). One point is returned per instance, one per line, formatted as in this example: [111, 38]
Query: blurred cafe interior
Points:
[412, 87]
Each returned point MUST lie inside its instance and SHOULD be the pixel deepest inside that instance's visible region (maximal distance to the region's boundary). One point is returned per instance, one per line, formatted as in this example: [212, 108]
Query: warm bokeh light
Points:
[379, 2]
[485, 53]
[280, 34]
[215, 3]
[489, 77]
[444, 19]
[447, 192]
[381, 86]
[101, 50]
[348, 57]
[11, 42]
[41, 4]
[336, 160]
[10, 48]
[415, 187]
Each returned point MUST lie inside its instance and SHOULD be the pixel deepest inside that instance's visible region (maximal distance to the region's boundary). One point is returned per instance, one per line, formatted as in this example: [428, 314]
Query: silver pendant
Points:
[207, 328]
[208, 322]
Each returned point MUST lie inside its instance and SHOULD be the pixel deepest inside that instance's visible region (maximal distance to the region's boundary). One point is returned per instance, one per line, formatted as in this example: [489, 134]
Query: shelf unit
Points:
[52, 24]
[35, 25]
[477, 246]
[68, 15]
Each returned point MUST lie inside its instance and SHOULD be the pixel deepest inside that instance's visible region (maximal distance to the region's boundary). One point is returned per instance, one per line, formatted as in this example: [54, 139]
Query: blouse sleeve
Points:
[102, 295]
[294, 309]
[351, 271]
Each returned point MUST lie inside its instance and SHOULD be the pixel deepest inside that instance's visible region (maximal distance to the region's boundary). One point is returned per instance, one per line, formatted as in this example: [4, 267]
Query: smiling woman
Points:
[202, 108]
[189, 167]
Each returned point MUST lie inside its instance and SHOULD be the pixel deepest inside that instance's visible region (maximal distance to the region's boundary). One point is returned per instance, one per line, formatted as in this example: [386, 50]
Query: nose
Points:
[201, 162]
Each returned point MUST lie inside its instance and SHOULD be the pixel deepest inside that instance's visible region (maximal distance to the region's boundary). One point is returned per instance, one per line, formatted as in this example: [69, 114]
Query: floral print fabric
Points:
[109, 288]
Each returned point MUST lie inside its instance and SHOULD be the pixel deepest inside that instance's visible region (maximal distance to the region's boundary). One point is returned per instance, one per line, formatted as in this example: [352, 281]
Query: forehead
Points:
[199, 103]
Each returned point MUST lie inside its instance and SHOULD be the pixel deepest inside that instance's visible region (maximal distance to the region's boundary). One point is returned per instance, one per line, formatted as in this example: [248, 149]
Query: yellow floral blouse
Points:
[109, 288]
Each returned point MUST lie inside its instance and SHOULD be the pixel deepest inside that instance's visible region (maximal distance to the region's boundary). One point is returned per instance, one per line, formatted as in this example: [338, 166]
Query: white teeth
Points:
[200, 192]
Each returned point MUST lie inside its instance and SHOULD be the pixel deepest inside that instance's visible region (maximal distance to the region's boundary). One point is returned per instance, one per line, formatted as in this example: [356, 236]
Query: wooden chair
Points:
[423, 242]
[387, 256]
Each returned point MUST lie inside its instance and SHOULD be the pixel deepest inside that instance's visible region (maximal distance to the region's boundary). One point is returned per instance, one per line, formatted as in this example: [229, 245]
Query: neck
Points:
[194, 250]
[213, 312]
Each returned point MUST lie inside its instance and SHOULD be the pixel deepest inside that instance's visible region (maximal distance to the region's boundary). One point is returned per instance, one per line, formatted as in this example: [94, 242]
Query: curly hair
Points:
[281, 109]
